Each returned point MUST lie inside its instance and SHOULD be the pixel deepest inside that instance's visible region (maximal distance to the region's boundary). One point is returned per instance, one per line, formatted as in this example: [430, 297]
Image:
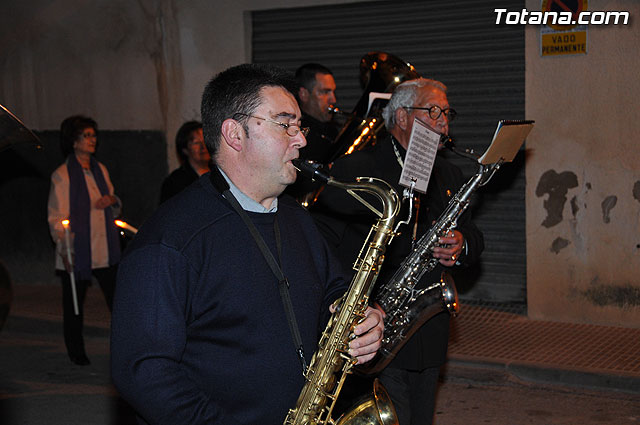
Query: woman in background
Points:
[194, 159]
[81, 191]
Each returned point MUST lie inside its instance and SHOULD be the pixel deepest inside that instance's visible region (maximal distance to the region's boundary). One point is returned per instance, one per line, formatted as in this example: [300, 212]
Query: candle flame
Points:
[126, 226]
[65, 223]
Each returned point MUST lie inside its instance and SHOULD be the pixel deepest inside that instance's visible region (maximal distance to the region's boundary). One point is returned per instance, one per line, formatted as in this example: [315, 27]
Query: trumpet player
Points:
[411, 378]
[316, 94]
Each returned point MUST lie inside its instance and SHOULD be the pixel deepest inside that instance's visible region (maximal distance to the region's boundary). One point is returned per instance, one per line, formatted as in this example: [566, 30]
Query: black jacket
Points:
[175, 182]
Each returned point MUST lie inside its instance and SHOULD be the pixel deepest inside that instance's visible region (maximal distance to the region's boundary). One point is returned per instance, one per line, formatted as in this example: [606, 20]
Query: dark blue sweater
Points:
[199, 332]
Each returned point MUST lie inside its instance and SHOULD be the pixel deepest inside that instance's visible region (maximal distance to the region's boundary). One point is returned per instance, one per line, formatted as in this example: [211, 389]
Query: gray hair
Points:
[405, 95]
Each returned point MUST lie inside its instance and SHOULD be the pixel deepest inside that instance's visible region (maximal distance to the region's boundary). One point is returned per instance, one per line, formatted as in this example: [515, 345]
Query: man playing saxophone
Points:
[411, 378]
[223, 294]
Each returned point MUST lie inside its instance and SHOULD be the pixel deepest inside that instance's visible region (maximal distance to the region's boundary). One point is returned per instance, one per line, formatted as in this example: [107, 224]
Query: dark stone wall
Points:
[137, 164]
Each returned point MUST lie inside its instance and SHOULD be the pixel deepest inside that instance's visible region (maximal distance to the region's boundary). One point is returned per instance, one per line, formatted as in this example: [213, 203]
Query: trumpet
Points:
[337, 111]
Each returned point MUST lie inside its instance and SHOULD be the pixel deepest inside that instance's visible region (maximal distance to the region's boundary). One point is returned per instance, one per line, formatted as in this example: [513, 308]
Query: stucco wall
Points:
[583, 176]
[132, 65]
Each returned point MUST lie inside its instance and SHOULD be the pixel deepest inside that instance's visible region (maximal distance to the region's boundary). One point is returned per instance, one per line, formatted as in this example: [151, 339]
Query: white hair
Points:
[405, 95]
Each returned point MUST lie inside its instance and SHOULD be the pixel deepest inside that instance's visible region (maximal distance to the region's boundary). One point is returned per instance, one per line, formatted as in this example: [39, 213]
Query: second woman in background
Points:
[194, 157]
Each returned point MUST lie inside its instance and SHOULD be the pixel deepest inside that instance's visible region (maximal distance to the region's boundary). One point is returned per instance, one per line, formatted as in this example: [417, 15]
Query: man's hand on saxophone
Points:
[451, 248]
[367, 335]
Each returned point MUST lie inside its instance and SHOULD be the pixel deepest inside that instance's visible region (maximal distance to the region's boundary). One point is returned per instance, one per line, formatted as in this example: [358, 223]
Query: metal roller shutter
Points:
[457, 43]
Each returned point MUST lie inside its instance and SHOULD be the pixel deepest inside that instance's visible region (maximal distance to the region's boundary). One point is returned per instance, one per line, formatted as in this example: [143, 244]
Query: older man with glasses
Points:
[411, 378]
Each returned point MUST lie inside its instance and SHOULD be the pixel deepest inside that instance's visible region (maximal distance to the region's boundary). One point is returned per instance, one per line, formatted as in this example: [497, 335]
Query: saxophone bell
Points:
[439, 297]
[375, 408]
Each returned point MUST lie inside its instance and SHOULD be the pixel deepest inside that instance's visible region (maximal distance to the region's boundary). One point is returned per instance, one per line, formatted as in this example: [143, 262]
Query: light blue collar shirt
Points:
[247, 203]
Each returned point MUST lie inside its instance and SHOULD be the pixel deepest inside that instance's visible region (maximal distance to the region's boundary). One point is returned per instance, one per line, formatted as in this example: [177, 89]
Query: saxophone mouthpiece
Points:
[311, 169]
[447, 141]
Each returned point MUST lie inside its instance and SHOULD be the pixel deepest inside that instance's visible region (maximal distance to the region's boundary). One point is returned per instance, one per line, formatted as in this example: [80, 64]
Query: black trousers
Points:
[73, 323]
[413, 393]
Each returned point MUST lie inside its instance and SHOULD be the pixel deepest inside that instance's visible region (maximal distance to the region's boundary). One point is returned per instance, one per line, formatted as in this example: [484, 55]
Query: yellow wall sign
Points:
[564, 43]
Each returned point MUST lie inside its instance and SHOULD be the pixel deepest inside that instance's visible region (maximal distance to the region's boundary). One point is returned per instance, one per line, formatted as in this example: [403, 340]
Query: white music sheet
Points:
[421, 154]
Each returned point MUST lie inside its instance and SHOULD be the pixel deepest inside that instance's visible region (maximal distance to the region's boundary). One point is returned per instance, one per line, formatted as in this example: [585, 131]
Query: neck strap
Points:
[283, 283]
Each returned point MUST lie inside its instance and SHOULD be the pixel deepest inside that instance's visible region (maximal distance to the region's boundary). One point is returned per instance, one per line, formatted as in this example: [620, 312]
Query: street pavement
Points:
[39, 385]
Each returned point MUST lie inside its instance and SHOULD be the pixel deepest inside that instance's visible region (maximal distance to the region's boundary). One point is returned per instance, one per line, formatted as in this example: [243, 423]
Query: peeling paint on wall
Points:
[574, 206]
[559, 244]
[636, 191]
[607, 205]
[620, 296]
[556, 186]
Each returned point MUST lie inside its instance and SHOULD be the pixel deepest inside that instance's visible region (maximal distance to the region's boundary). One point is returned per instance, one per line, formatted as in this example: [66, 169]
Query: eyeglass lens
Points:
[293, 129]
[435, 111]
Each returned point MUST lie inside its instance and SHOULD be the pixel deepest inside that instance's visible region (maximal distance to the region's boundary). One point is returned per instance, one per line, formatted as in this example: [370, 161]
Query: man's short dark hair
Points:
[306, 74]
[183, 137]
[237, 90]
[71, 128]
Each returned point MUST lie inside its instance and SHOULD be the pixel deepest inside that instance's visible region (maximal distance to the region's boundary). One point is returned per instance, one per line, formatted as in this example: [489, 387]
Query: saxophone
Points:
[331, 363]
[408, 308]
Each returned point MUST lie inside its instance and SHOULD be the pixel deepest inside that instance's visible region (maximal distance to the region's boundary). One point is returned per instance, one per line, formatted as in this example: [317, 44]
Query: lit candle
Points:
[126, 226]
[67, 238]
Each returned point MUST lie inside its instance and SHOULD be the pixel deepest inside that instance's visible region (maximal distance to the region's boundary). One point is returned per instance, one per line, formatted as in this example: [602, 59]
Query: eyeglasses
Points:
[435, 111]
[291, 129]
